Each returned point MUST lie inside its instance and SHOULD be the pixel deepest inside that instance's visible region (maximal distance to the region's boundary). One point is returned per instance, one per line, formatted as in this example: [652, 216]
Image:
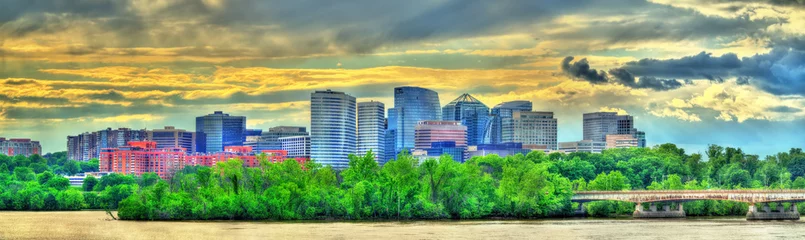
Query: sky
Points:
[692, 72]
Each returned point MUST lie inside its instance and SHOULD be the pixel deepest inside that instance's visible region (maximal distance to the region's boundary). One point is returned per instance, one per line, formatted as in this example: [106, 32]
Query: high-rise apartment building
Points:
[413, 105]
[333, 128]
[221, 130]
[170, 137]
[535, 128]
[88, 145]
[471, 113]
[371, 129]
[19, 146]
[296, 146]
[501, 127]
[270, 140]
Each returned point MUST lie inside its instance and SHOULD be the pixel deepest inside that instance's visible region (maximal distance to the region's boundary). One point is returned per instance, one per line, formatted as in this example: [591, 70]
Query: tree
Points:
[71, 167]
[24, 174]
[89, 183]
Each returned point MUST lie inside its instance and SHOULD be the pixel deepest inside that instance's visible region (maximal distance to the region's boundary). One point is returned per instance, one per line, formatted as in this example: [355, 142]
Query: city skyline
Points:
[692, 72]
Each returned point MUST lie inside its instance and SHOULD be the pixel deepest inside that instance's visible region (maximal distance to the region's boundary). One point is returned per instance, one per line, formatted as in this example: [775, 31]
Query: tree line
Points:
[533, 185]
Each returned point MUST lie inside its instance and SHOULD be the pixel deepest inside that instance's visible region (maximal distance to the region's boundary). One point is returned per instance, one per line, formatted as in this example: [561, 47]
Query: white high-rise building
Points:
[371, 129]
[535, 128]
[333, 128]
[297, 146]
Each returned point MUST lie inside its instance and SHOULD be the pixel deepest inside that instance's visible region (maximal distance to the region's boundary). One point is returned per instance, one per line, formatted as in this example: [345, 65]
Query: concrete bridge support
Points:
[580, 212]
[667, 212]
[761, 211]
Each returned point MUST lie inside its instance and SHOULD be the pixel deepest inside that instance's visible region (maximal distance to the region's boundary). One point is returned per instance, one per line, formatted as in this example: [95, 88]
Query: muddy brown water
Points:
[97, 225]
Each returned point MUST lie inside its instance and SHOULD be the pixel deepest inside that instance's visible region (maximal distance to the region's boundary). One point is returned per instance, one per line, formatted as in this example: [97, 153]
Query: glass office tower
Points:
[471, 113]
[221, 130]
[412, 105]
[502, 123]
[333, 130]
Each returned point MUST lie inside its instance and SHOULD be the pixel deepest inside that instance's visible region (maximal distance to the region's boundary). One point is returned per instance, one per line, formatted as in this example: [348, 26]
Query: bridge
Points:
[757, 199]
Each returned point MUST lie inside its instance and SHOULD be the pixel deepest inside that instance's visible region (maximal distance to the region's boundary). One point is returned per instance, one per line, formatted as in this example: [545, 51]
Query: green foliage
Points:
[533, 185]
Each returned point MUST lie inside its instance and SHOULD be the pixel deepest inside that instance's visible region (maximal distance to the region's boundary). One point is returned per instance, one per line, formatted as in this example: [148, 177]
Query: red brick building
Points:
[141, 157]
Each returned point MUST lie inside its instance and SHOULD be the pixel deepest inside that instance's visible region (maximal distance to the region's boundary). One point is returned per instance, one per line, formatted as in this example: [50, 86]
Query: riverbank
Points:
[97, 225]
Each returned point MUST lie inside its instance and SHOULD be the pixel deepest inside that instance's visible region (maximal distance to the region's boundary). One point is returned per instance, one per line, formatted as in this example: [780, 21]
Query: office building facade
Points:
[582, 146]
[333, 128]
[390, 136]
[471, 113]
[371, 129]
[501, 127]
[535, 128]
[296, 146]
[597, 125]
[428, 132]
[221, 130]
[413, 105]
[621, 141]
[270, 140]
[252, 137]
[19, 146]
[170, 137]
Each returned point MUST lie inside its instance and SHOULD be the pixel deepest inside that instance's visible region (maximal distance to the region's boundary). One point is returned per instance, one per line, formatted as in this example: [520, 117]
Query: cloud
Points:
[780, 71]
[581, 70]
[129, 118]
[675, 113]
[620, 111]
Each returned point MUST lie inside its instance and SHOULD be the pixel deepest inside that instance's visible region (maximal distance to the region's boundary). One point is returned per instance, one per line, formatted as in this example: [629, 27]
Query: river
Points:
[97, 225]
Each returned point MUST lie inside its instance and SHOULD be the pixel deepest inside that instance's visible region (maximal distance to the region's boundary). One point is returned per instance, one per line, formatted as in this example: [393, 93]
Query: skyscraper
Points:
[371, 129]
[471, 113]
[535, 128]
[270, 140]
[391, 136]
[598, 125]
[221, 130]
[332, 128]
[170, 137]
[501, 129]
[412, 105]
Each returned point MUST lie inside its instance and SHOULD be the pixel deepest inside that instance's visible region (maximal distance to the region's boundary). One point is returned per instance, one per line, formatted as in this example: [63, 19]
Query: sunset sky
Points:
[692, 72]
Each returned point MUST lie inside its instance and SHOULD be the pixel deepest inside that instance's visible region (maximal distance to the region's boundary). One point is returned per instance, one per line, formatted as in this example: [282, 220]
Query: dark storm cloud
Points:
[581, 70]
[702, 65]
[780, 72]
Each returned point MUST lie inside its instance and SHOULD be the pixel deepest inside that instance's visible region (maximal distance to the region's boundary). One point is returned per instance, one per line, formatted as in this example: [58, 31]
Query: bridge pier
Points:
[766, 214]
[667, 212]
[580, 212]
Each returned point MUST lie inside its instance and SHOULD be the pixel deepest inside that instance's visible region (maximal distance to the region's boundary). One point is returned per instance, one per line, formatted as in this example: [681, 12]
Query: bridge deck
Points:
[749, 196]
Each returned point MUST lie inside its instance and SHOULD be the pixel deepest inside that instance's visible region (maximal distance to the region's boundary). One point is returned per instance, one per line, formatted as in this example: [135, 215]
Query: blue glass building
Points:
[412, 105]
[471, 113]
[391, 136]
[438, 149]
[221, 130]
[501, 127]
[333, 128]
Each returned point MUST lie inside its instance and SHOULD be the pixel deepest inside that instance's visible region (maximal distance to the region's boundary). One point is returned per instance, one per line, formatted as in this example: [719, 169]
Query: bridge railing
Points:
[688, 191]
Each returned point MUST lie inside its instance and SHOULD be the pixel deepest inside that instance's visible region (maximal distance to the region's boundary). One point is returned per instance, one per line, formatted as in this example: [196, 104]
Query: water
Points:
[97, 225]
